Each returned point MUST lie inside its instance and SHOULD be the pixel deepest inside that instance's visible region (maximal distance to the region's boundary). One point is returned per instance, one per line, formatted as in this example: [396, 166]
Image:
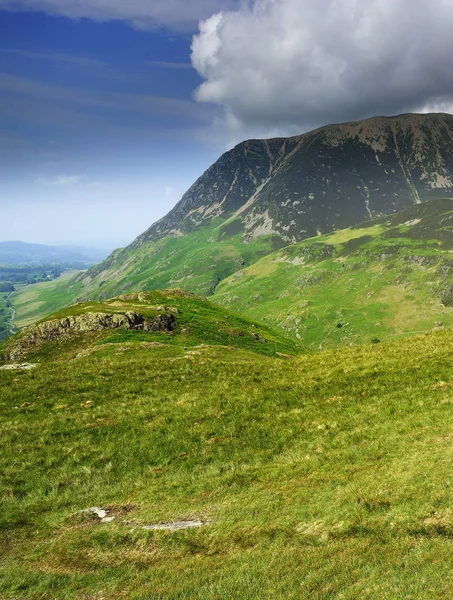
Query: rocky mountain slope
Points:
[386, 277]
[327, 179]
[269, 193]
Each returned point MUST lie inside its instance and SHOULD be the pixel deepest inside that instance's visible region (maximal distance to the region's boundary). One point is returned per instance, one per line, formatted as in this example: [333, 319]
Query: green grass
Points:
[384, 278]
[198, 321]
[322, 476]
[36, 301]
[379, 280]
[196, 262]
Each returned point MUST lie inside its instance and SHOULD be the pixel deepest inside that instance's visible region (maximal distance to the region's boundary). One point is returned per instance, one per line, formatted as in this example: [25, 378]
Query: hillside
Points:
[218, 472]
[387, 277]
[265, 194]
[172, 317]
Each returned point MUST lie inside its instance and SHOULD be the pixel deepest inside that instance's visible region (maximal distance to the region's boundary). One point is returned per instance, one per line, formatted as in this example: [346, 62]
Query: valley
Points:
[266, 194]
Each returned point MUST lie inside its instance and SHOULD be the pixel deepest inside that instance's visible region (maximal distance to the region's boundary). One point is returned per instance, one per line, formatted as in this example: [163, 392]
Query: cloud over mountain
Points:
[294, 64]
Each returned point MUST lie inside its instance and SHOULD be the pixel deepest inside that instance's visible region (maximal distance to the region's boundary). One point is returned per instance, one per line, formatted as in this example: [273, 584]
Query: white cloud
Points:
[61, 180]
[177, 14]
[289, 65]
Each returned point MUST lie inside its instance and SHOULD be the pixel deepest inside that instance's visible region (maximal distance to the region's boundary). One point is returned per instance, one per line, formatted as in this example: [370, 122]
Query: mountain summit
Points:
[326, 179]
[265, 194]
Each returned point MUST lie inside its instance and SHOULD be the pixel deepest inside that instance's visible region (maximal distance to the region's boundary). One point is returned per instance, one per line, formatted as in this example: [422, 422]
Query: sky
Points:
[110, 110]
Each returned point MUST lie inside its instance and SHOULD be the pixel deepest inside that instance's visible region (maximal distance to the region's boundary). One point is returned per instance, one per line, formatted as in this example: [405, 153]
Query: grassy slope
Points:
[34, 302]
[197, 322]
[383, 279]
[196, 262]
[323, 476]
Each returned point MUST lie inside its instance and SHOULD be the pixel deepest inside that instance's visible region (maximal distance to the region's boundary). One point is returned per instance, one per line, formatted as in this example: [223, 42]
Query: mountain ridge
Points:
[266, 194]
[370, 132]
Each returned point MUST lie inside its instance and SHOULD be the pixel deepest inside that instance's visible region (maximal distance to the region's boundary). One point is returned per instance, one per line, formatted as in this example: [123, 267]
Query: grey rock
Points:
[175, 526]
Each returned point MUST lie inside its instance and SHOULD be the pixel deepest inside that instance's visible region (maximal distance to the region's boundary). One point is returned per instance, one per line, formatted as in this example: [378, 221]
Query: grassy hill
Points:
[173, 317]
[388, 277]
[384, 278]
[196, 262]
[323, 475]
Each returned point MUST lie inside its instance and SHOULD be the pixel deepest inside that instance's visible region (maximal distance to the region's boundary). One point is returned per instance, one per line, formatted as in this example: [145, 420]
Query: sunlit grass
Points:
[322, 476]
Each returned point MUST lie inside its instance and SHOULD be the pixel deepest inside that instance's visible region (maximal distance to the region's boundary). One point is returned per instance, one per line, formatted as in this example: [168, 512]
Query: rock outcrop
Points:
[35, 335]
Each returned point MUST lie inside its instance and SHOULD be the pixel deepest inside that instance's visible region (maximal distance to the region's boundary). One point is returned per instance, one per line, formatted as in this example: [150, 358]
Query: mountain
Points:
[19, 253]
[265, 194]
[387, 277]
[189, 464]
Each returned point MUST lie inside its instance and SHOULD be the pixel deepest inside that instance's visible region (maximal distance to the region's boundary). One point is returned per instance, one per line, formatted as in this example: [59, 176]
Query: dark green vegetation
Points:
[317, 476]
[28, 274]
[280, 191]
[5, 312]
[388, 277]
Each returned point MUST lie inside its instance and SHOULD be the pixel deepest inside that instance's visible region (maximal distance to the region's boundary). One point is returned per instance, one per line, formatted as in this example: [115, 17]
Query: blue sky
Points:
[110, 109]
[99, 133]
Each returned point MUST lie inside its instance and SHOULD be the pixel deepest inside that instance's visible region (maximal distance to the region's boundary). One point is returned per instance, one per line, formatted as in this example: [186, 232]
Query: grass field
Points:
[324, 476]
[34, 302]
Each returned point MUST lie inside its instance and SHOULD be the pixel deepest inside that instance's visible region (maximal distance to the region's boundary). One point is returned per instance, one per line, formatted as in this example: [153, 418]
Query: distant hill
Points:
[265, 194]
[384, 278]
[20, 253]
